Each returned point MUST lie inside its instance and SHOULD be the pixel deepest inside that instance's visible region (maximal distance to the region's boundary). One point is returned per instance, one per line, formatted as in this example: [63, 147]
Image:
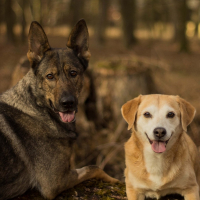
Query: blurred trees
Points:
[102, 20]
[76, 11]
[23, 4]
[182, 18]
[10, 20]
[129, 17]
[128, 9]
[179, 17]
[36, 9]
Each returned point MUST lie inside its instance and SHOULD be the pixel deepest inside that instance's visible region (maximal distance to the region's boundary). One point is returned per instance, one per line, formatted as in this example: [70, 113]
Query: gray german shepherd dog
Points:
[37, 119]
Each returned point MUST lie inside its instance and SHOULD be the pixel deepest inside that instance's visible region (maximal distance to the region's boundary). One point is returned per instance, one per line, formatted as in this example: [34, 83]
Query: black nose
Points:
[68, 101]
[159, 132]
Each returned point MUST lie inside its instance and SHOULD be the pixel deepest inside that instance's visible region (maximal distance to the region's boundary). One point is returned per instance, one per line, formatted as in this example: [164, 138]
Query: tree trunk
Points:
[2, 10]
[174, 17]
[36, 10]
[179, 16]
[23, 5]
[183, 12]
[102, 20]
[196, 19]
[10, 21]
[128, 17]
[76, 11]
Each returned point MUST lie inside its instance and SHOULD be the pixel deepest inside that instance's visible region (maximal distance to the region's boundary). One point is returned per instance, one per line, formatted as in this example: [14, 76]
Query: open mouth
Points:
[158, 146]
[66, 116]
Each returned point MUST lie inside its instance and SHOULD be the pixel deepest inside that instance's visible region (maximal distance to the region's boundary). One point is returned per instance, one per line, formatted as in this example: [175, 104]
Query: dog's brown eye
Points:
[147, 115]
[50, 76]
[170, 115]
[73, 73]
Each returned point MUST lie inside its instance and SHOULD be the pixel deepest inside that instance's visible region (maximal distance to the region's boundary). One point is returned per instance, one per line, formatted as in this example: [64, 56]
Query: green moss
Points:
[114, 65]
[98, 190]
[88, 190]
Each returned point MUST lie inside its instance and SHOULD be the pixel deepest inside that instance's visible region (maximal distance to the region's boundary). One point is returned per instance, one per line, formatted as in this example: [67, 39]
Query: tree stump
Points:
[116, 82]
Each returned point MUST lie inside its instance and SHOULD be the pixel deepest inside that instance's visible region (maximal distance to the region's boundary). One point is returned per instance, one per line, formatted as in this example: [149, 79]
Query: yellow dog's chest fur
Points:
[153, 174]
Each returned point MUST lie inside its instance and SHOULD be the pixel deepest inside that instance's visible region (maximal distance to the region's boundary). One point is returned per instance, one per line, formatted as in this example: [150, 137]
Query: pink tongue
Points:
[158, 146]
[67, 117]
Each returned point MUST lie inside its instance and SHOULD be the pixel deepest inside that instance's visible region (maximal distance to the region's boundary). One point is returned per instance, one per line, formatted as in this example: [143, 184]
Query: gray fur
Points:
[35, 144]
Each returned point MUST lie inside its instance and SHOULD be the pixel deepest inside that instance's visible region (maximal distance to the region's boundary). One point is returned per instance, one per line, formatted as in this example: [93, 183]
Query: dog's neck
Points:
[22, 95]
[158, 163]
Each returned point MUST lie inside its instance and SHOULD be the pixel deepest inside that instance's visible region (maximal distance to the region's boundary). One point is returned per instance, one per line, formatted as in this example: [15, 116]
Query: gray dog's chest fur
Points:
[30, 137]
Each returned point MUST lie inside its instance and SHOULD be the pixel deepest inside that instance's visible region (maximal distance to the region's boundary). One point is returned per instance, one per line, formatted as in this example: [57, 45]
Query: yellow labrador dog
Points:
[161, 158]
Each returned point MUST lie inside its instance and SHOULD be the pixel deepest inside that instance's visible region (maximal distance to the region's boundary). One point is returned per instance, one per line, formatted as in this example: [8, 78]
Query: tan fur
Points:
[175, 171]
[129, 111]
[188, 111]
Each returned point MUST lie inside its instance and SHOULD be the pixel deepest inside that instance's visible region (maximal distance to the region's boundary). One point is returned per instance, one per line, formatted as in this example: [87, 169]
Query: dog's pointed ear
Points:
[129, 111]
[187, 112]
[79, 42]
[37, 42]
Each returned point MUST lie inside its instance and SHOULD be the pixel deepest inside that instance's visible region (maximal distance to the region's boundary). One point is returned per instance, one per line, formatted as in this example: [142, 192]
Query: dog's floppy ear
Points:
[38, 42]
[129, 110]
[79, 42]
[187, 112]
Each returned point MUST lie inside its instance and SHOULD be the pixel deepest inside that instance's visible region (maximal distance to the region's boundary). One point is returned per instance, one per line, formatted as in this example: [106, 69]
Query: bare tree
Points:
[183, 14]
[2, 2]
[174, 16]
[179, 15]
[76, 11]
[23, 4]
[10, 21]
[128, 10]
[102, 20]
[196, 15]
[36, 10]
